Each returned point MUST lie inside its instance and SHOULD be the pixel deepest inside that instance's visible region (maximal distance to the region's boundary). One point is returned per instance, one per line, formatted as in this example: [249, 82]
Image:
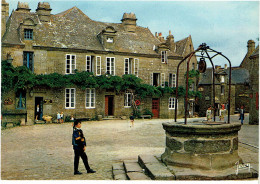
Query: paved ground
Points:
[44, 152]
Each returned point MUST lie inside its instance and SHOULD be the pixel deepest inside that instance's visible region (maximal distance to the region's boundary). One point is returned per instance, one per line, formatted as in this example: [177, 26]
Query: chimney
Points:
[250, 46]
[217, 68]
[129, 22]
[23, 7]
[161, 38]
[226, 66]
[44, 11]
[170, 41]
[4, 17]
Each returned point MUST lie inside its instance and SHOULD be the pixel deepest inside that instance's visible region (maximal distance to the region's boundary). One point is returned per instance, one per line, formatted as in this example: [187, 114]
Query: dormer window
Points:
[110, 40]
[28, 34]
[107, 37]
[164, 56]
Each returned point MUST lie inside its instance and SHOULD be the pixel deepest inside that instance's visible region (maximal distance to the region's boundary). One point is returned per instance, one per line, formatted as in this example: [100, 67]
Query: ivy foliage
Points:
[21, 77]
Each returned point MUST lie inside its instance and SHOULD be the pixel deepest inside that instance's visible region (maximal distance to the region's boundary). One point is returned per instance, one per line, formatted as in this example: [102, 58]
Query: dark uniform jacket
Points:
[78, 139]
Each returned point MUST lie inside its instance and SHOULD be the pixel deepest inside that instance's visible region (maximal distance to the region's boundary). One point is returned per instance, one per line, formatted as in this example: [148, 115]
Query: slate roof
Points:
[74, 29]
[238, 76]
[180, 46]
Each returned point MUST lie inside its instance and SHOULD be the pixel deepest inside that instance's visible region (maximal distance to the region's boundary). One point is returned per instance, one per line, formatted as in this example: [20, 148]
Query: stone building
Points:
[251, 63]
[221, 90]
[244, 90]
[70, 41]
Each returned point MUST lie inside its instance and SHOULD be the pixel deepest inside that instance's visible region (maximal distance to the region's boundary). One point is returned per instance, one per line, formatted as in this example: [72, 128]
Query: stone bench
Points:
[146, 116]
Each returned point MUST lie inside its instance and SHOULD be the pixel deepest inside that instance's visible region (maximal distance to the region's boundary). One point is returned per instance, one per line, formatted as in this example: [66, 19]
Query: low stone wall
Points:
[17, 117]
[201, 146]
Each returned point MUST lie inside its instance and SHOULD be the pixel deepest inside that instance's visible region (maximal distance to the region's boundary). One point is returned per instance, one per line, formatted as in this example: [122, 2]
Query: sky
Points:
[225, 26]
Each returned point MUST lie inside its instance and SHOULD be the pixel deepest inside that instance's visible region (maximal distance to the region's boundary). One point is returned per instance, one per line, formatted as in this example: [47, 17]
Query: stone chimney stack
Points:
[170, 41]
[161, 38]
[217, 68]
[250, 46]
[23, 7]
[225, 66]
[5, 15]
[44, 11]
[129, 22]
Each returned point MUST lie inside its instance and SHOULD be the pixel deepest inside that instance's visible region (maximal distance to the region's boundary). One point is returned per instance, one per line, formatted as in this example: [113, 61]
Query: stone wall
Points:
[210, 147]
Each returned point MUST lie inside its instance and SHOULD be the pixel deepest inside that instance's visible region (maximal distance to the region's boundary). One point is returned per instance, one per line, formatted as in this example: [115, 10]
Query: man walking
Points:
[242, 114]
[79, 146]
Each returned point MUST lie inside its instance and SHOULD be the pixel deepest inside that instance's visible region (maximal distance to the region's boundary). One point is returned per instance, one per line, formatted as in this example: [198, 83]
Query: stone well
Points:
[201, 146]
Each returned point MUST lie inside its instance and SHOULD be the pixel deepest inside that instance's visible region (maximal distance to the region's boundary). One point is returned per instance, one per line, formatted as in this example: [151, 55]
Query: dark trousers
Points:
[80, 153]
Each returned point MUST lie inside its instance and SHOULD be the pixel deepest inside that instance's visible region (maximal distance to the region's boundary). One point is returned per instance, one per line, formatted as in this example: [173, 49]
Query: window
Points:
[110, 66]
[193, 66]
[172, 103]
[70, 63]
[128, 66]
[136, 67]
[163, 80]
[28, 34]
[222, 90]
[155, 79]
[70, 98]
[164, 56]
[222, 79]
[98, 65]
[110, 40]
[90, 98]
[128, 99]
[28, 60]
[20, 101]
[172, 80]
[89, 64]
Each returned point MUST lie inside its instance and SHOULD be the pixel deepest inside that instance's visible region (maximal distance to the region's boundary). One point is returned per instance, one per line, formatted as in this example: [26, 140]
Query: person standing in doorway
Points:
[242, 114]
[79, 146]
[37, 112]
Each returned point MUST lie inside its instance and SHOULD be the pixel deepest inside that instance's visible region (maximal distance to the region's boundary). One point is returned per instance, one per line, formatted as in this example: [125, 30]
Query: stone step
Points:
[155, 169]
[134, 171]
[118, 172]
[39, 122]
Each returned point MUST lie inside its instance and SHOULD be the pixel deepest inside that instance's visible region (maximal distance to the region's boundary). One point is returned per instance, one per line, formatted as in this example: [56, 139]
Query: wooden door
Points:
[155, 107]
[109, 105]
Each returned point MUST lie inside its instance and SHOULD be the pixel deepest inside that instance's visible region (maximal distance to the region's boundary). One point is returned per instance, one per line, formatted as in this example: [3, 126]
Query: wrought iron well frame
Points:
[203, 48]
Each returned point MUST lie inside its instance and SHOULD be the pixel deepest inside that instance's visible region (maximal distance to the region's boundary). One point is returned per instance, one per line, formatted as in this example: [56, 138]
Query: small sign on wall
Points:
[8, 101]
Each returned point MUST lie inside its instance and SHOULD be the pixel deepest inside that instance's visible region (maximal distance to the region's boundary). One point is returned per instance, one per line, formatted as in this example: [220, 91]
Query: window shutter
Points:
[151, 79]
[163, 80]
[136, 67]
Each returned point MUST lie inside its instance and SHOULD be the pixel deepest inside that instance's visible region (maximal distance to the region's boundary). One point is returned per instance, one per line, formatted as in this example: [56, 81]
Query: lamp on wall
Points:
[31, 93]
[9, 58]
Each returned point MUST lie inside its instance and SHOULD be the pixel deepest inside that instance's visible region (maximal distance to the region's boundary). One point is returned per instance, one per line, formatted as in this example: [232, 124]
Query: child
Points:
[61, 117]
[208, 114]
[58, 117]
[132, 119]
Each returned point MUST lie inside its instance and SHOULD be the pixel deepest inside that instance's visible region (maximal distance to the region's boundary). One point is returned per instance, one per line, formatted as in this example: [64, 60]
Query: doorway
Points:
[155, 107]
[109, 105]
[38, 108]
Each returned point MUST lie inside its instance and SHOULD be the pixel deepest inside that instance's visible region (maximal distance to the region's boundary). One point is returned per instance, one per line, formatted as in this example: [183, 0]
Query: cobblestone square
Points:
[44, 152]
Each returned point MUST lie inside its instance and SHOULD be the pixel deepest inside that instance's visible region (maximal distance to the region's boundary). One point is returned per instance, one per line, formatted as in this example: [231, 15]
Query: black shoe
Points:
[91, 171]
[77, 173]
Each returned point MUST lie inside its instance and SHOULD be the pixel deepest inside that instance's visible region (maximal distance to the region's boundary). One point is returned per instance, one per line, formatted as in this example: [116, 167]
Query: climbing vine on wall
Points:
[22, 78]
